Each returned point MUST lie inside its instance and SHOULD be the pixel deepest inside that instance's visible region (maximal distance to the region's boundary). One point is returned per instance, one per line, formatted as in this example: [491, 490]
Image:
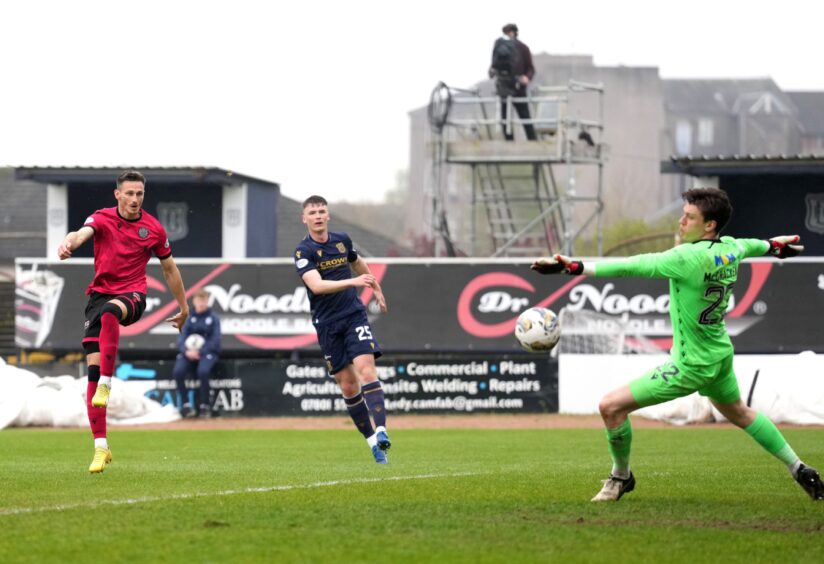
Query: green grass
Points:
[703, 495]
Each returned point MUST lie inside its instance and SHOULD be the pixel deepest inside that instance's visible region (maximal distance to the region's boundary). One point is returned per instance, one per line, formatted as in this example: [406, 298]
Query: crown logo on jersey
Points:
[320, 253]
[723, 260]
[340, 247]
[297, 254]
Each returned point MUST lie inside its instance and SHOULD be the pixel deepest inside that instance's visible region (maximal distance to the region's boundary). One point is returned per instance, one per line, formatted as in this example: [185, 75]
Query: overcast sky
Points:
[316, 95]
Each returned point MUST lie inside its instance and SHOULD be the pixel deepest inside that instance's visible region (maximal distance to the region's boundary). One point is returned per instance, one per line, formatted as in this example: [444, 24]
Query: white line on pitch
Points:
[172, 497]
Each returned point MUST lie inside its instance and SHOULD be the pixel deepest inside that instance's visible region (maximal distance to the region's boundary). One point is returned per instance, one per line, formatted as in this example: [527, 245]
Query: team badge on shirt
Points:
[320, 253]
[142, 232]
[340, 247]
[297, 254]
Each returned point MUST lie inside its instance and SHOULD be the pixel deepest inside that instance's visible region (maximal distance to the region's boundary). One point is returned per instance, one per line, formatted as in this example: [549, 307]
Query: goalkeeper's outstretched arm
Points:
[664, 264]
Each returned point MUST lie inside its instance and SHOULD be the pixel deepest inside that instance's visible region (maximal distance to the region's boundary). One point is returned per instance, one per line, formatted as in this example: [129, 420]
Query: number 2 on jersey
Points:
[721, 294]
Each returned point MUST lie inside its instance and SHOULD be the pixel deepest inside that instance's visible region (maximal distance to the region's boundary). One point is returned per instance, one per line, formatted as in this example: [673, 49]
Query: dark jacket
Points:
[509, 86]
[206, 324]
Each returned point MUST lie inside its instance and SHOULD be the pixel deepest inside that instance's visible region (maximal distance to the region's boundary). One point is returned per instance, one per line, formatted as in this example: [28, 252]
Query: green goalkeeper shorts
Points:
[674, 380]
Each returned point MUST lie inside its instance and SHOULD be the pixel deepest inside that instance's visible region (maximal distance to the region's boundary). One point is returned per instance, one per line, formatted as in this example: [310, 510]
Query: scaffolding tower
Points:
[518, 205]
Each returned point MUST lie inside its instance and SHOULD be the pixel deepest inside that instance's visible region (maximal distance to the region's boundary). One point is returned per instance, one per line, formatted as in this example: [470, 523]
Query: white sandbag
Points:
[682, 411]
[27, 400]
[15, 386]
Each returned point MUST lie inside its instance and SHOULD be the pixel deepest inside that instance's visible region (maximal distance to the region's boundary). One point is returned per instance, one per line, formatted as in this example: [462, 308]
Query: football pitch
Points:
[449, 495]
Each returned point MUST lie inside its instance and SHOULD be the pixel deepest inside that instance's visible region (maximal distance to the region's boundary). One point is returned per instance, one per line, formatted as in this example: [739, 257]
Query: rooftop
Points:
[192, 174]
[704, 165]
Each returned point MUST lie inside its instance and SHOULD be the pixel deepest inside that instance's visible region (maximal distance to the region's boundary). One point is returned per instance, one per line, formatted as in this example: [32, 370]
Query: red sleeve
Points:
[96, 221]
[162, 249]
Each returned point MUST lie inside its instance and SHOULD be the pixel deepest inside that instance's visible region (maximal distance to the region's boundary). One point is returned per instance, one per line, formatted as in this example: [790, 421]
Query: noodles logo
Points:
[232, 301]
[488, 291]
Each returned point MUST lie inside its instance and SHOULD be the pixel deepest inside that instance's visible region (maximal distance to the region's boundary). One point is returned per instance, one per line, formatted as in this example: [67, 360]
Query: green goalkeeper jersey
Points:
[701, 278]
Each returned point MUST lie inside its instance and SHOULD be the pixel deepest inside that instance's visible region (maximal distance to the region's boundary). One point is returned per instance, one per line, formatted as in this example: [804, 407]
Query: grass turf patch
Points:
[446, 496]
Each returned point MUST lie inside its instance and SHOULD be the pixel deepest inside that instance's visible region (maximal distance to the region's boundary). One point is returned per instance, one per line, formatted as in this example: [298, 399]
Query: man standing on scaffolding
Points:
[512, 70]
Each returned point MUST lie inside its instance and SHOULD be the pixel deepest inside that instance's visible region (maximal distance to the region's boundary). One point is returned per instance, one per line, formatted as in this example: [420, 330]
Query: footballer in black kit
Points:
[339, 318]
[325, 261]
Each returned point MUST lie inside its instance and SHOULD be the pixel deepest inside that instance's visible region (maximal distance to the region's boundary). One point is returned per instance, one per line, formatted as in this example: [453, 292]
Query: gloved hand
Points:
[558, 264]
[782, 246]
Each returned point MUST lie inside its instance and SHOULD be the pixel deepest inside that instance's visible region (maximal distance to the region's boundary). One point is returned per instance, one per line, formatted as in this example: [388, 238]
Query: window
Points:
[705, 132]
[683, 137]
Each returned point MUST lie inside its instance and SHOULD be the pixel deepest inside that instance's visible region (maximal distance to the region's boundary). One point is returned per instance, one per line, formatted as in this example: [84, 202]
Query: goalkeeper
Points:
[701, 271]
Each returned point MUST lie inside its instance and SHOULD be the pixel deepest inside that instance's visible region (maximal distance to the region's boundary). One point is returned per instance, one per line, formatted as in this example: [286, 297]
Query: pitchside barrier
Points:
[455, 305]
[447, 337]
[465, 384]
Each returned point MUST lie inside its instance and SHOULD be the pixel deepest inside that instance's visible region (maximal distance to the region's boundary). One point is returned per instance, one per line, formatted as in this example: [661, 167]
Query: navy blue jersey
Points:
[331, 259]
[206, 324]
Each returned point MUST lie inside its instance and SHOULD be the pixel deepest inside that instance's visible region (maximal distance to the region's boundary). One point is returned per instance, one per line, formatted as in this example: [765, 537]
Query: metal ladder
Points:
[522, 208]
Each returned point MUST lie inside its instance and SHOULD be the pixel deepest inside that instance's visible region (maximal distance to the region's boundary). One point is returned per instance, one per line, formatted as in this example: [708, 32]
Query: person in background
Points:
[512, 70]
[199, 346]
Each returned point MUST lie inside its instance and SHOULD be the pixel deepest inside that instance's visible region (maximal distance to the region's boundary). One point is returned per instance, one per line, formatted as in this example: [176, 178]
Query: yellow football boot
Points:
[102, 457]
[101, 396]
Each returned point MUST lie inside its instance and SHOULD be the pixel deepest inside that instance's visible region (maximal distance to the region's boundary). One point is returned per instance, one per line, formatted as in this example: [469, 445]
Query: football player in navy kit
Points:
[125, 237]
[325, 261]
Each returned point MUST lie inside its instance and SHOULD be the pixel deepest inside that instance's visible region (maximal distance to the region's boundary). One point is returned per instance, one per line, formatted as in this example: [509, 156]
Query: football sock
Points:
[768, 436]
[106, 380]
[373, 394]
[109, 336]
[97, 415]
[619, 440]
[101, 443]
[359, 414]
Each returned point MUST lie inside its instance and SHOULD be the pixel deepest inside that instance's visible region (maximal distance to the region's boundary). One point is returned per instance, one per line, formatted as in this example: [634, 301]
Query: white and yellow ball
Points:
[538, 329]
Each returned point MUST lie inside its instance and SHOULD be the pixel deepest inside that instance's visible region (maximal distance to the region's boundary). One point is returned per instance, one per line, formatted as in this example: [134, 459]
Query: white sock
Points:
[372, 441]
[793, 468]
[106, 380]
[101, 443]
[379, 429]
[620, 473]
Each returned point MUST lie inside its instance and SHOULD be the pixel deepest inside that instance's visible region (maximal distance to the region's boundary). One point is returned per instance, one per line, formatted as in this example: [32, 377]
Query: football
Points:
[538, 329]
[194, 342]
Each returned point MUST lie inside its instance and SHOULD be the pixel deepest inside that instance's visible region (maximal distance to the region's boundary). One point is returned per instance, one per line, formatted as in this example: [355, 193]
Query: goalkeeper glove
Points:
[782, 247]
[558, 264]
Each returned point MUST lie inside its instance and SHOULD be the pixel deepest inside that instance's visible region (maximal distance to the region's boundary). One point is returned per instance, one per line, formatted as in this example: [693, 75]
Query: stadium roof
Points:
[810, 110]
[194, 174]
[290, 228]
[744, 164]
[720, 96]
